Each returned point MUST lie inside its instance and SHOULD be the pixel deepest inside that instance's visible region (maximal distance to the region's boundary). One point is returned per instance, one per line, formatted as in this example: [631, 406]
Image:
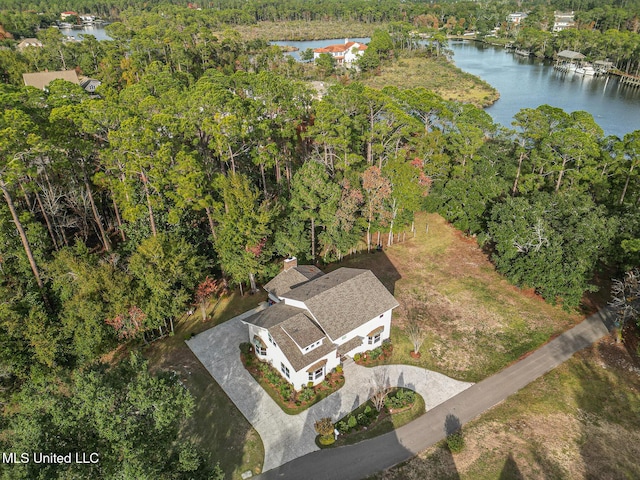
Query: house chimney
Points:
[290, 263]
[346, 40]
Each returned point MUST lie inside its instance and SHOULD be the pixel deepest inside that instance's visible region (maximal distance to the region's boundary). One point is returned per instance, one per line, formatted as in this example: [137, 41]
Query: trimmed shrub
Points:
[285, 391]
[363, 420]
[455, 442]
[324, 427]
[400, 399]
[245, 348]
[342, 427]
[375, 353]
[306, 394]
[352, 421]
[357, 357]
[339, 369]
[326, 440]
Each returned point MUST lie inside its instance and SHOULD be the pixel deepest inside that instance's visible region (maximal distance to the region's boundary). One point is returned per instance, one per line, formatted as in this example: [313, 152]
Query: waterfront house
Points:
[69, 14]
[29, 42]
[344, 53]
[516, 18]
[89, 84]
[562, 21]
[42, 79]
[316, 319]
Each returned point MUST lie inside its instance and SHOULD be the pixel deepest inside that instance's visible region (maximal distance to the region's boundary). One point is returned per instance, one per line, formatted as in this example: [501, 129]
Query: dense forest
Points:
[204, 159]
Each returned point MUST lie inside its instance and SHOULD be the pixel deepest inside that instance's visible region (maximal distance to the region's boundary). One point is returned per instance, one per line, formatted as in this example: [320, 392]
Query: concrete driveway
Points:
[287, 437]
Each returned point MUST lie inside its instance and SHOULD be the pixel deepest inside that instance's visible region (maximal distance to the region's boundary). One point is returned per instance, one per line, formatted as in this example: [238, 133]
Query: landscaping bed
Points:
[378, 356]
[281, 391]
[401, 406]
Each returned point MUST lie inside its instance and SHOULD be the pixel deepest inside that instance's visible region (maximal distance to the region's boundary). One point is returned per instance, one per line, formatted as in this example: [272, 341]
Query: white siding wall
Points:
[350, 57]
[301, 378]
[275, 357]
[363, 330]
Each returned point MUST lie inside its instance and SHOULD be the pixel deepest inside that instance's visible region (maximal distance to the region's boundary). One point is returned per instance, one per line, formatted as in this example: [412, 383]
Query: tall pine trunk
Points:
[105, 239]
[118, 219]
[47, 221]
[23, 235]
[313, 239]
[152, 220]
[626, 185]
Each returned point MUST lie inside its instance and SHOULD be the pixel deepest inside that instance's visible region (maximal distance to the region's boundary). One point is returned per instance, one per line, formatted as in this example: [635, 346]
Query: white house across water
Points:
[318, 318]
[344, 53]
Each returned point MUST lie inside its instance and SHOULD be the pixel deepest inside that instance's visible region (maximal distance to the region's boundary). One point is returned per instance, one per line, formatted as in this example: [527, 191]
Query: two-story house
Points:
[318, 318]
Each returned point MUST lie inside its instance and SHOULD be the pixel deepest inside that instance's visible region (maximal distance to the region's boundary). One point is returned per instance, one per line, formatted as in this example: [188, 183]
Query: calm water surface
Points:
[528, 83]
[94, 30]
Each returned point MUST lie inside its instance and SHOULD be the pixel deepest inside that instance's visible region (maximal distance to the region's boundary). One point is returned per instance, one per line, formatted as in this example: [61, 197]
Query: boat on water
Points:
[66, 25]
[523, 53]
[586, 70]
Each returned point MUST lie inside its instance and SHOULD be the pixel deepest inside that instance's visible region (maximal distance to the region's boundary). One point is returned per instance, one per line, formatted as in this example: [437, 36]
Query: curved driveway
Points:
[287, 437]
[365, 458]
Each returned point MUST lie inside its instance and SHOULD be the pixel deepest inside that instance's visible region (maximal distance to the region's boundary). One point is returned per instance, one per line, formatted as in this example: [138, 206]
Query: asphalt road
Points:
[358, 461]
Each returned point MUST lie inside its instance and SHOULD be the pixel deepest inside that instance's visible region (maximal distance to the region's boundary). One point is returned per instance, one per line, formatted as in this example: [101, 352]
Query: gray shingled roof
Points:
[42, 79]
[350, 345]
[302, 330]
[292, 278]
[296, 358]
[571, 55]
[273, 315]
[344, 299]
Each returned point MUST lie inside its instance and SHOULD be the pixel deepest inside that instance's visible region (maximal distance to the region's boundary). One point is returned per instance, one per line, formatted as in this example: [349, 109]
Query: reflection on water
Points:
[94, 30]
[528, 83]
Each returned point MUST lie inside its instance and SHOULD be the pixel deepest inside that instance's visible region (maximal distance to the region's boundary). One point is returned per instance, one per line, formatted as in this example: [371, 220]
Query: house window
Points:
[273, 342]
[284, 370]
[373, 339]
[259, 345]
[317, 374]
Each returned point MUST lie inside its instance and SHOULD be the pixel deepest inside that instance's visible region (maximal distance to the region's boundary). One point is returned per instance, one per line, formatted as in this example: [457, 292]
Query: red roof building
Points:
[344, 53]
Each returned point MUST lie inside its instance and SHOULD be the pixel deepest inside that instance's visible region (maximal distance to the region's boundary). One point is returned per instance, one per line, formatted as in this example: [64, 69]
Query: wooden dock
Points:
[626, 79]
[630, 80]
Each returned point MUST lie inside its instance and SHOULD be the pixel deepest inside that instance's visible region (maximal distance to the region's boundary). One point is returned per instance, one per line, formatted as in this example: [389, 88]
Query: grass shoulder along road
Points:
[581, 420]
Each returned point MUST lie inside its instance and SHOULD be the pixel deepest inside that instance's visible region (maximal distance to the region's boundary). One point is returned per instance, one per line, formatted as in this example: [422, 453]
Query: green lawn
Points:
[217, 426]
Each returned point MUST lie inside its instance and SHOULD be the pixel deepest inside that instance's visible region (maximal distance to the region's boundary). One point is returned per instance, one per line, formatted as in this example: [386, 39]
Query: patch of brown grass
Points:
[476, 323]
[438, 75]
[581, 420]
[303, 30]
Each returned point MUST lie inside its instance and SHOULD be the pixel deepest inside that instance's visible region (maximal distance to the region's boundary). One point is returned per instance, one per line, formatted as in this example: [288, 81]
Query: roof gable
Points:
[42, 79]
[292, 278]
[302, 330]
[273, 315]
[344, 299]
[340, 47]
